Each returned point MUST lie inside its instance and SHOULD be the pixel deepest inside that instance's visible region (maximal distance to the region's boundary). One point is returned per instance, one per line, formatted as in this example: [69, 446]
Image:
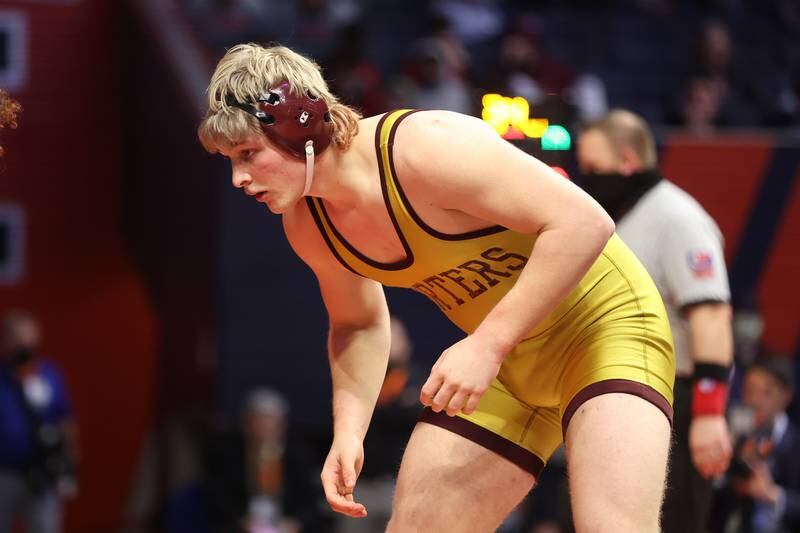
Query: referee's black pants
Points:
[688, 495]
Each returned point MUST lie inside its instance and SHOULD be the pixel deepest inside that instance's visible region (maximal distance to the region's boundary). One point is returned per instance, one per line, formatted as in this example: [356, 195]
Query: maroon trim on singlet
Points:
[325, 236]
[515, 453]
[397, 265]
[624, 386]
[491, 230]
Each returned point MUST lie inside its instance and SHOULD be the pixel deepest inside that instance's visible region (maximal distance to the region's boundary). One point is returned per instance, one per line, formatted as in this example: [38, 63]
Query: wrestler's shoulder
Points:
[430, 119]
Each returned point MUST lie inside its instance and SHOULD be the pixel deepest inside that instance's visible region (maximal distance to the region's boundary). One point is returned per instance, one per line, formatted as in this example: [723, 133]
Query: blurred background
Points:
[191, 341]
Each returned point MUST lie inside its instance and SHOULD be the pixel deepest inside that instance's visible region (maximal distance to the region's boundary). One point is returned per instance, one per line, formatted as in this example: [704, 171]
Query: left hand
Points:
[710, 445]
[460, 377]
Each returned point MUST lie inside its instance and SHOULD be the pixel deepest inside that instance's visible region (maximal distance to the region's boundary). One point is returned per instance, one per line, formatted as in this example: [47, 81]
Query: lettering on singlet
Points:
[469, 280]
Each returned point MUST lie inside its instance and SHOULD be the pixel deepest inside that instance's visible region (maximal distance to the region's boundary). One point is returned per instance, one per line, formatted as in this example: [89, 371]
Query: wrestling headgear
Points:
[300, 125]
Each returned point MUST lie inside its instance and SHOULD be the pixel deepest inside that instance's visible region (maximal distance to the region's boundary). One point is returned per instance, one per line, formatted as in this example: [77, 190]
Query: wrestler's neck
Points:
[342, 178]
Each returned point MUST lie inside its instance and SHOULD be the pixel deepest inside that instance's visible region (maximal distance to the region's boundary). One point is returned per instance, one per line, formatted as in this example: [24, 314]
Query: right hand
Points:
[339, 474]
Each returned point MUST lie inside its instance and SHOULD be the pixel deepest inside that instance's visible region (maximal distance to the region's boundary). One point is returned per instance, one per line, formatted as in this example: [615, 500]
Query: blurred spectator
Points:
[525, 69]
[396, 414]
[699, 106]
[762, 489]
[551, 87]
[226, 22]
[587, 94]
[311, 26]
[8, 112]
[319, 25]
[38, 452]
[477, 26]
[716, 92]
[748, 328]
[474, 21]
[353, 77]
[427, 84]
[454, 56]
[256, 479]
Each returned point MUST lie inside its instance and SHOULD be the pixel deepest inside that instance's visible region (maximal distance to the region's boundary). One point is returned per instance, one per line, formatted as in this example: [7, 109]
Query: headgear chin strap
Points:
[309, 166]
[299, 125]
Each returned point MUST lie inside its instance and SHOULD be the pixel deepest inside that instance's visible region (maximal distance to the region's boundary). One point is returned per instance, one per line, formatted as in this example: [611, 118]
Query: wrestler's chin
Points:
[280, 206]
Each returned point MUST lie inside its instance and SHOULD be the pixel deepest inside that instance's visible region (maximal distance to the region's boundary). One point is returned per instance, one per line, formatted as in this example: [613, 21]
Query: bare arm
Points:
[358, 353]
[358, 339]
[711, 335]
[711, 342]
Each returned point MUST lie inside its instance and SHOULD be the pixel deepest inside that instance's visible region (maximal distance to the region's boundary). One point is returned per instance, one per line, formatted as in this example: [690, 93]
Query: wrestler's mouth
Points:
[259, 196]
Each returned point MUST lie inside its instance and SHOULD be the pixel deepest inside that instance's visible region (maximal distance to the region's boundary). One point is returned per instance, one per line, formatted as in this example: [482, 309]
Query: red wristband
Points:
[709, 397]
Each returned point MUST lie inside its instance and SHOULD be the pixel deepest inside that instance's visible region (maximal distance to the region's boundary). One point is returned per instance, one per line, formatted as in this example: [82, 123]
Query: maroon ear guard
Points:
[290, 121]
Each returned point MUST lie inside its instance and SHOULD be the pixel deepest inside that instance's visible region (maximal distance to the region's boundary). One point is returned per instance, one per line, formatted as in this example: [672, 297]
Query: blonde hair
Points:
[244, 73]
[624, 128]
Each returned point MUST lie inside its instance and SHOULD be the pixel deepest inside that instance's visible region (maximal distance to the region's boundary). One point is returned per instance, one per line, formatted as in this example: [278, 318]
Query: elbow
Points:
[601, 226]
[607, 226]
[704, 315]
[343, 333]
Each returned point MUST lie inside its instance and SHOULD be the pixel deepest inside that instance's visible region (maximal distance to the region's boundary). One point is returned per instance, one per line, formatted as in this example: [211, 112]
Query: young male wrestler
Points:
[567, 337]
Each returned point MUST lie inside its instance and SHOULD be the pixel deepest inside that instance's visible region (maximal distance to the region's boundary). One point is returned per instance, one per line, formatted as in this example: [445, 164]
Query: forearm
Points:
[358, 359]
[711, 334]
[558, 261]
[712, 352]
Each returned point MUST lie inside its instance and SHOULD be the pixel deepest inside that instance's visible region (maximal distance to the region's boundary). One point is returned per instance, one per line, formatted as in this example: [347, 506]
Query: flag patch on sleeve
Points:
[700, 263]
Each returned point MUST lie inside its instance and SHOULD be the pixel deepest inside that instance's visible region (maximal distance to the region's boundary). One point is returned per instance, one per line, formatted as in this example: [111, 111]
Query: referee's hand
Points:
[710, 445]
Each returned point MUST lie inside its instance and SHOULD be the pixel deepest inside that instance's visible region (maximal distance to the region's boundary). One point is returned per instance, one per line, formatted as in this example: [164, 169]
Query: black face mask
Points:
[617, 193]
[21, 355]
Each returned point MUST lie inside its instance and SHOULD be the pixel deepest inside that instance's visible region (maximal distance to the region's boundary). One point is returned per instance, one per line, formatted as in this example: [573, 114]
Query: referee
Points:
[681, 247]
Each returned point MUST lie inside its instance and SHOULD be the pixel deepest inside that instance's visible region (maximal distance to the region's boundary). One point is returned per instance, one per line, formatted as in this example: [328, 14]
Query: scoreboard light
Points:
[556, 138]
[510, 117]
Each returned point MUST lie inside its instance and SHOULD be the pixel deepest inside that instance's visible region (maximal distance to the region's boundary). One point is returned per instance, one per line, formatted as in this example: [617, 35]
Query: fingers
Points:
[456, 402]
[453, 398]
[348, 477]
[442, 397]
[711, 461]
[710, 445]
[707, 465]
[340, 497]
[338, 481]
[431, 388]
[472, 403]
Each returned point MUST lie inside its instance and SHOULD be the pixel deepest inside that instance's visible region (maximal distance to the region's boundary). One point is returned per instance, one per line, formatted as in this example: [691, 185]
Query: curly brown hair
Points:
[8, 112]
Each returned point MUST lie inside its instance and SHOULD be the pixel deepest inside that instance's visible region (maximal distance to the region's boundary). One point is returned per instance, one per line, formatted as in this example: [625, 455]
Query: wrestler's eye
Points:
[246, 155]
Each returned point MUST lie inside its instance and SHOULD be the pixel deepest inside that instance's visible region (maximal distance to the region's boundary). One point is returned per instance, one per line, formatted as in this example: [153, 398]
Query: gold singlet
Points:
[610, 334]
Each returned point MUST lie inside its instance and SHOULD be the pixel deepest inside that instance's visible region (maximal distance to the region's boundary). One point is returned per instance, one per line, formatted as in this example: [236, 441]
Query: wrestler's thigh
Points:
[448, 483]
[617, 446]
